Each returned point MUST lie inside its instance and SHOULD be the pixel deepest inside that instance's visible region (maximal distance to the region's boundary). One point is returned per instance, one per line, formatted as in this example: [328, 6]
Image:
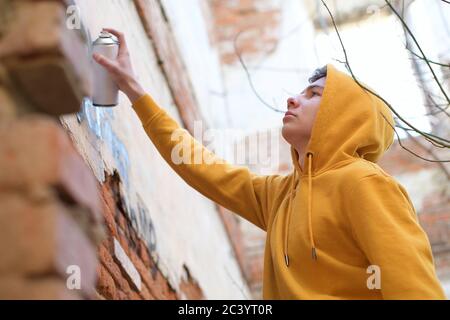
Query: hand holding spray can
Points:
[106, 92]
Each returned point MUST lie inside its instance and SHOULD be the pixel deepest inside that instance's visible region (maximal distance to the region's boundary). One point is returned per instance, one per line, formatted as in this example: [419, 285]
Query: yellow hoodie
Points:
[336, 227]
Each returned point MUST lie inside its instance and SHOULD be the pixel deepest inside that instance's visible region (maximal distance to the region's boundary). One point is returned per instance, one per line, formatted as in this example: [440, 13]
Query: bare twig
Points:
[440, 163]
[430, 61]
[409, 150]
[411, 34]
[249, 77]
[440, 142]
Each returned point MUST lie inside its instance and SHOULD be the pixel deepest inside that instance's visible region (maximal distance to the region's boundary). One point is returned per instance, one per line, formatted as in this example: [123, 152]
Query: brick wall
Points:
[256, 19]
[50, 209]
[127, 268]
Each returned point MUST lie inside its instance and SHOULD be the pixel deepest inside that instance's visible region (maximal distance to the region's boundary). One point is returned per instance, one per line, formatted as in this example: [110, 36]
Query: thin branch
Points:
[437, 106]
[430, 97]
[409, 129]
[249, 77]
[409, 150]
[430, 61]
[441, 141]
[420, 49]
[440, 163]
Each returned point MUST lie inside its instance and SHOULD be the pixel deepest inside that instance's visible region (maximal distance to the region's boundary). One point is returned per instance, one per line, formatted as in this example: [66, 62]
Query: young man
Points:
[338, 227]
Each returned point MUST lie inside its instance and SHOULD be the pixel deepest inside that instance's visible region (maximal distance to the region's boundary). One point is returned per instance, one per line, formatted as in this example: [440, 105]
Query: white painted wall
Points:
[187, 19]
[430, 22]
[294, 54]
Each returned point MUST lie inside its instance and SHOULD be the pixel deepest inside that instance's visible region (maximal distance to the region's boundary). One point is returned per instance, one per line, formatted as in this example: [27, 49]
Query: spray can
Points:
[106, 92]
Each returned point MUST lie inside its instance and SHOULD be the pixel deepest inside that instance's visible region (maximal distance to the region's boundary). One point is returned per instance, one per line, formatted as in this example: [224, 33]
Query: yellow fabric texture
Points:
[328, 224]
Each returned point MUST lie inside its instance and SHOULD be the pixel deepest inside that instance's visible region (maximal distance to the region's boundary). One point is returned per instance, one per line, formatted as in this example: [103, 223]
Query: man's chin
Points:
[290, 133]
[287, 133]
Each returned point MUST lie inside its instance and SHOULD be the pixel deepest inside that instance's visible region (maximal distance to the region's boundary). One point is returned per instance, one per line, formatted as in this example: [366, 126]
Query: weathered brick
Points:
[112, 267]
[8, 108]
[105, 284]
[122, 295]
[42, 238]
[48, 83]
[41, 54]
[260, 19]
[36, 151]
[48, 288]
[158, 285]
[191, 290]
[145, 293]
[108, 216]
[144, 254]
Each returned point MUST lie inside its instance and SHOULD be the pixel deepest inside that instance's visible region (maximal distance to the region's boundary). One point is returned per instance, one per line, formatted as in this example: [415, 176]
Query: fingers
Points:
[123, 49]
[108, 64]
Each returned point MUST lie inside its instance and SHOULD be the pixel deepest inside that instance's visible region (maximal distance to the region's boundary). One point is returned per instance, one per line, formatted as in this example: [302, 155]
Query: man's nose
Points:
[292, 103]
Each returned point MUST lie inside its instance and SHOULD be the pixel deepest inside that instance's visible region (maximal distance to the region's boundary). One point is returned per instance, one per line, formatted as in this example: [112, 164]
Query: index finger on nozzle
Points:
[120, 36]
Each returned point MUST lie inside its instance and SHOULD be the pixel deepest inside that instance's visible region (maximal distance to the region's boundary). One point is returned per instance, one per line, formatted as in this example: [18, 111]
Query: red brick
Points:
[36, 152]
[159, 286]
[144, 254]
[135, 296]
[108, 216]
[122, 222]
[145, 293]
[112, 267]
[122, 295]
[42, 238]
[260, 19]
[192, 291]
[40, 54]
[397, 161]
[8, 108]
[105, 284]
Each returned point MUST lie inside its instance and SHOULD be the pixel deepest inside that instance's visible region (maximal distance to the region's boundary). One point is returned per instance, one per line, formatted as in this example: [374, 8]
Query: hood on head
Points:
[351, 122]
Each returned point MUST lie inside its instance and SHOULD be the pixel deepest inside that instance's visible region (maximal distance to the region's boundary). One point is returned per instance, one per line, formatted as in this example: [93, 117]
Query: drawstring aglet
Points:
[286, 259]
[314, 254]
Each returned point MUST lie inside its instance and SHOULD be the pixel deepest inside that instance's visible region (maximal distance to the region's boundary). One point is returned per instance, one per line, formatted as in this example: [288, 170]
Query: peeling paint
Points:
[99, 121]
[142, 222]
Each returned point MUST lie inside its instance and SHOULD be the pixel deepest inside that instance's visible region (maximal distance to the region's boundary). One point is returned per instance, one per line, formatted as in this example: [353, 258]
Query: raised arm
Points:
[233, 187]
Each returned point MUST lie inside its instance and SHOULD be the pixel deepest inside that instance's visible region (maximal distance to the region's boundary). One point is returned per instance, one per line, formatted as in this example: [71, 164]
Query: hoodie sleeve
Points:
[386, 228]
[233, 187]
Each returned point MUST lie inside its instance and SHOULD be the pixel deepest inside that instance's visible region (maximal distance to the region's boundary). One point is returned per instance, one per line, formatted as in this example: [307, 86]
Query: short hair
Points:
[319, 73]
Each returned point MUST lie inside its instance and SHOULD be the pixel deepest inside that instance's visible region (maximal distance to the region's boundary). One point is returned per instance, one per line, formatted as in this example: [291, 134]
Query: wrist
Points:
[134, 91]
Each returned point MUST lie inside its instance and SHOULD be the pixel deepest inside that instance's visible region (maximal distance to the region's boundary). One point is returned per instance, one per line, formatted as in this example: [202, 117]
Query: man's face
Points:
[302, 111]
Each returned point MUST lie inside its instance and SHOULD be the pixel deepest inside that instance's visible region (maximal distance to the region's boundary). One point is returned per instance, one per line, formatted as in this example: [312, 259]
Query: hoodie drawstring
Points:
[286, 231]
[292, 191]
[311, 237]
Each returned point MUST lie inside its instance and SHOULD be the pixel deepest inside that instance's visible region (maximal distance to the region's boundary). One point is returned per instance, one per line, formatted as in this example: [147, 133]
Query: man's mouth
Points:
[289, 113]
